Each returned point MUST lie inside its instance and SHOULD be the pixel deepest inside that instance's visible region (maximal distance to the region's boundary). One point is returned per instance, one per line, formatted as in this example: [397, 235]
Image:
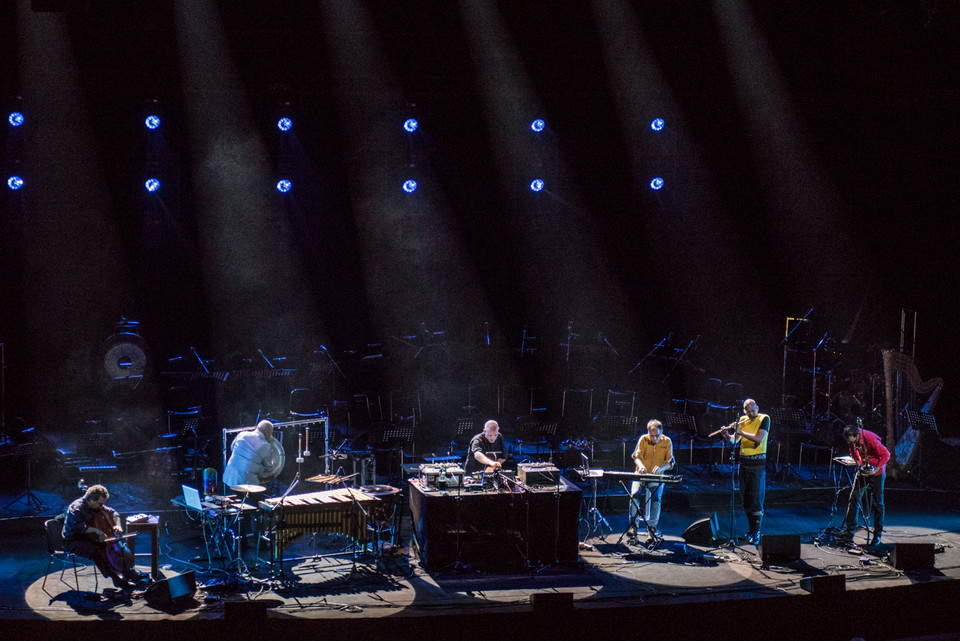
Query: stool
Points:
[150, 524]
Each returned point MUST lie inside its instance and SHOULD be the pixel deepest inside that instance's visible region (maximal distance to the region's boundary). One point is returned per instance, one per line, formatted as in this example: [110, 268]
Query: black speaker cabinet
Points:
[175, 591]
[702, 532]
[551, 601]
[779, 549]
[912, 556]
[824, 584]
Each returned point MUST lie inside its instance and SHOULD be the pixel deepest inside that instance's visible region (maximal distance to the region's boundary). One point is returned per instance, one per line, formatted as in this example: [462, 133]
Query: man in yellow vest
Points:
[751, 432]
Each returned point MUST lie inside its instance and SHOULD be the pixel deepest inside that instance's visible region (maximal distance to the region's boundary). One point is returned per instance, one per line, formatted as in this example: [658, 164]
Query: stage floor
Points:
[332, 583]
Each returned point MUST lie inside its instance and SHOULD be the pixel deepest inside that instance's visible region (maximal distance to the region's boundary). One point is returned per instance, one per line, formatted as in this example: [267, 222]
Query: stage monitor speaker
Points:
[824, 584]
[176, 591]
[912, 556]
[779, 549]
[702, 532]
[551, 601]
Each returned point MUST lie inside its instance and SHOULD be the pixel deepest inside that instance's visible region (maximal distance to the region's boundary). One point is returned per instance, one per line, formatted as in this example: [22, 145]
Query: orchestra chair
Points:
[302, 404]
[53, 534]
[621, 403]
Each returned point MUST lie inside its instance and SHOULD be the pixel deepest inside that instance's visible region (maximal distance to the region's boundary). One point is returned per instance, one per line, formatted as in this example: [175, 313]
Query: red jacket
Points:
[877, 454]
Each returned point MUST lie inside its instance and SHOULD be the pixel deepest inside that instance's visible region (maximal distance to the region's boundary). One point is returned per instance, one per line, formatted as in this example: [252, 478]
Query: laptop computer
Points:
[191, 497]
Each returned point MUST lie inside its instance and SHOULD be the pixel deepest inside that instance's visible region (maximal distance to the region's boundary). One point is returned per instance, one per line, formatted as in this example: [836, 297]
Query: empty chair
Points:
[303, 404]
[620, 403]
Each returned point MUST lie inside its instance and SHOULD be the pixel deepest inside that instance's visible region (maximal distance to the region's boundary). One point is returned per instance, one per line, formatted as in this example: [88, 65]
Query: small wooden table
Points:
[151, 525]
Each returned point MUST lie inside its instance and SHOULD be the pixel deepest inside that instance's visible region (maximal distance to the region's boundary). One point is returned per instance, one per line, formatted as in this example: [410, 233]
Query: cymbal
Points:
[248, 489]
[379, 490]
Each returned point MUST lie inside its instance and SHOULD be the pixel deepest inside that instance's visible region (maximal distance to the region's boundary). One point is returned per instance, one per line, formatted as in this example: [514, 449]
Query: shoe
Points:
[753, 538]
[121, 583]
[874, 542]
[844, 535]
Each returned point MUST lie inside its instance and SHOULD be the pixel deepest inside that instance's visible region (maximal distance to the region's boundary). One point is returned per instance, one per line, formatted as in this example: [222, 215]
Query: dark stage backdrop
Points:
[810, 158]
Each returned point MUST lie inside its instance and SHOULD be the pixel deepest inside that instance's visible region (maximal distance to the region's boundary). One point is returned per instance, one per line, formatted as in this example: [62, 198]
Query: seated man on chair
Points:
[89, 521]
[652, 455]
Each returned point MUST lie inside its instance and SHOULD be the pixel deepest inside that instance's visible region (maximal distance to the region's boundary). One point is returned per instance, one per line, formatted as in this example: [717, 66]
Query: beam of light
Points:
[537, 184]
[254, 301]
[537, 125]
[15, 119]
[14, 183]
[152, 122]
[410, 125]
[152, 185]
[284, 185]
[656, 184]
[285, 124]
[657, 124]
[410, 185]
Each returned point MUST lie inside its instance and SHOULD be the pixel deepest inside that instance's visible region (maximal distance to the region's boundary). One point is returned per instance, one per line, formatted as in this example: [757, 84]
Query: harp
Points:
[895, 362]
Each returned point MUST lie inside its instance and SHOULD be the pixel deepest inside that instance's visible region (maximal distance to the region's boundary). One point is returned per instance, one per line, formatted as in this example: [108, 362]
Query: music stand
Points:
[682, 423]
[789, 421]
[921, 420]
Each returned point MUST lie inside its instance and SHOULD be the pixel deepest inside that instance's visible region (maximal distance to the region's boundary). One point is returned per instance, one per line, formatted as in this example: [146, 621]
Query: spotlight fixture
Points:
[152, 185]
[410, 125]
[14, 183]
[15, 119]
[656, 184]
[285, 124]
[284, 185]
[657, 124]
[152, 121]
[537, 125]
[410, 185]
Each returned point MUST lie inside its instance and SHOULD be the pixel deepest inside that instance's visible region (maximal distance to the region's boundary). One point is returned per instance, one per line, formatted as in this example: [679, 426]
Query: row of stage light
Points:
[284, 185]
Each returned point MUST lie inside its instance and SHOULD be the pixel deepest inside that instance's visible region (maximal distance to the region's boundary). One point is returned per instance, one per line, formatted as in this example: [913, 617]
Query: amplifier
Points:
[538, 473]
[441, 477]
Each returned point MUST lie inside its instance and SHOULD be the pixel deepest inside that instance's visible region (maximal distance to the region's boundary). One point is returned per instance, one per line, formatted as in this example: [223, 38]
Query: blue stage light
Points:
[410, 125]
[537, 185]
[656, 184]
[152, 185]
[409, 185]
[657, 124]
[538, 125]
[15, 119]
[284, 124]
[152, 122]
[284, 185]
[14, 183]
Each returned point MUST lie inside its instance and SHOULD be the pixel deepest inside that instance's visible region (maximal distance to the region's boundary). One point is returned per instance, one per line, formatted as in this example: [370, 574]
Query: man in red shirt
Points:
[871, 456]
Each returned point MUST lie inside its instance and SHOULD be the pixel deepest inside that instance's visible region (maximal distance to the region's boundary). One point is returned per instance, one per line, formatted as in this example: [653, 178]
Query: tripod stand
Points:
[595, 521]
[33, 504]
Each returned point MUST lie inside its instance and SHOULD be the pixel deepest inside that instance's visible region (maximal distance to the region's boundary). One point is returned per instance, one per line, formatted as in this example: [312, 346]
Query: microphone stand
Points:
[649, 354]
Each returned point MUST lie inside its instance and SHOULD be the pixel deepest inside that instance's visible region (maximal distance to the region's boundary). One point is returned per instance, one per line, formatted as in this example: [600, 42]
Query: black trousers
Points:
[872, 486]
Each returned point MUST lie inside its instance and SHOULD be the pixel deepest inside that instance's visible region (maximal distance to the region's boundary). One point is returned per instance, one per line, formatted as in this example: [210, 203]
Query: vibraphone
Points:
[327, 511]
